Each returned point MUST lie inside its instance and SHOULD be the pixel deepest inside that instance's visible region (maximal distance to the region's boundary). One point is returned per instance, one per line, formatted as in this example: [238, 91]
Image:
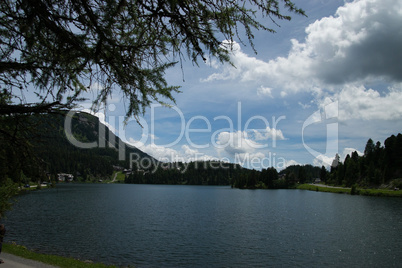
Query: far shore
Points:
[352, 190]
[318, 187]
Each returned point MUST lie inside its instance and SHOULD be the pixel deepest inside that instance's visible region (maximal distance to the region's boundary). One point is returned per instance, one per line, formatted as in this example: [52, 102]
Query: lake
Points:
[205, 226]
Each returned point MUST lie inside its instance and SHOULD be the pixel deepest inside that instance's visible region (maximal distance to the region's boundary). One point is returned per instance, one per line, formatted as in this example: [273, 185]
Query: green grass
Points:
[49, 259]
[120, 177]
[367, 192]
[380, 192]
[323, 189]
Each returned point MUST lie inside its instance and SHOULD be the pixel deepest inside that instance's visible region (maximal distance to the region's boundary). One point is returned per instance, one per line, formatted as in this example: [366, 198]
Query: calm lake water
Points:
[202, 226]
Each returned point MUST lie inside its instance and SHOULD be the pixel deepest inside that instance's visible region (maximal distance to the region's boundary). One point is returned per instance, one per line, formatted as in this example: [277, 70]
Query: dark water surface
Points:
[202, 226]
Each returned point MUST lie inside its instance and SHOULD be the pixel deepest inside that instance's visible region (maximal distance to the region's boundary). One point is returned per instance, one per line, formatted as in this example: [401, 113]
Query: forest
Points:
[270, 178]
[380, 165]
[193, 173]
[221, 173]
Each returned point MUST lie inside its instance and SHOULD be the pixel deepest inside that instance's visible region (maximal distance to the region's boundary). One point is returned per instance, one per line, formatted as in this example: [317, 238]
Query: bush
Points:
[397, 183]
[354, 190]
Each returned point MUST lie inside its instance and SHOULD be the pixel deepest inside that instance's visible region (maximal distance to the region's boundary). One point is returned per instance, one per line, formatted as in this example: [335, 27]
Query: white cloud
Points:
[188, 151]
[349, 151]
[360, 43]
[264, 91]
[323, 160]
[268, 133]
[242, 142]
[357, 102]
[292, 163]
[290, 74]
[304, 106]
[160, 153]
[190, 154]
[166, 154]
[236, 143]
[247, 148]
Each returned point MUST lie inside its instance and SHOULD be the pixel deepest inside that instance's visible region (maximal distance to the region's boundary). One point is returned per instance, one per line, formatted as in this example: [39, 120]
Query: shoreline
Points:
[11, 261]
[351, 191]
[307, 186]
[20, 256]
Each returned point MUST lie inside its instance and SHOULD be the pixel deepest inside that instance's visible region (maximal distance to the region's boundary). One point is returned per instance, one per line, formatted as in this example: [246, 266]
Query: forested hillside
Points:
[49, 152]
[380, 165]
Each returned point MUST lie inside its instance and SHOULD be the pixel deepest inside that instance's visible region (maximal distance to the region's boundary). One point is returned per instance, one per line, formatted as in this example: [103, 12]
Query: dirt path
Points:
[114, 178]
[12, 261]
[323, 185]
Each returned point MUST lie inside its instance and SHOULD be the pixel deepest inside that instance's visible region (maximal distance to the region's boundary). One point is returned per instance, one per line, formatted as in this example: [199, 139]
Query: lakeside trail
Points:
[327, 186]
[114, 178]
[12, 261]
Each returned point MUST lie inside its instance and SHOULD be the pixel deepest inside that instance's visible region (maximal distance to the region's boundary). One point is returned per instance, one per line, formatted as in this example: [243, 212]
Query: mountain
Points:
[107, 152]
[53, 149]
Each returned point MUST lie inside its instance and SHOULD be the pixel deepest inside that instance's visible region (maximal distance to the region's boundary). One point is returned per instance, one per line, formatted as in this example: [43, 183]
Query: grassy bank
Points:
[356, 191]
[59, 261]
[120, 177]
[380, 192]
[316, 188]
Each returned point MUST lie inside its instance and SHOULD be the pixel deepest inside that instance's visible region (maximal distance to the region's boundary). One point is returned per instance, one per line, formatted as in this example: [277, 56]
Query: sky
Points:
[321, 85]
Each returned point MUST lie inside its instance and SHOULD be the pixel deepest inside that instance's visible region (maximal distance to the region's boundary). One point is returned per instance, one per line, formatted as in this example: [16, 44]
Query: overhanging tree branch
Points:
[32, 108]
[61, 46]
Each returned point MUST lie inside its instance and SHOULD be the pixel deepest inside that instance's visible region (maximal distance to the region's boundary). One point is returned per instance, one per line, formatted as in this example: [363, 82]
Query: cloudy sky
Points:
[322, 84]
